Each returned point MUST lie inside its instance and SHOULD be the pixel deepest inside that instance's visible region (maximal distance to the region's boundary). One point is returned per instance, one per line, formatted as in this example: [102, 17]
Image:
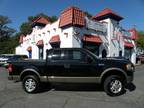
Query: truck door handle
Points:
[66, 65]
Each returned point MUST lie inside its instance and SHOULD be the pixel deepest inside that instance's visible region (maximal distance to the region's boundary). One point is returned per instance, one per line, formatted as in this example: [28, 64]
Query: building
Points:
[101, 34]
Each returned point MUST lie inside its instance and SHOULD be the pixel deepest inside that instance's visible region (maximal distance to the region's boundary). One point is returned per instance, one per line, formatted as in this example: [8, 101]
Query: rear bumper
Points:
[14, 77]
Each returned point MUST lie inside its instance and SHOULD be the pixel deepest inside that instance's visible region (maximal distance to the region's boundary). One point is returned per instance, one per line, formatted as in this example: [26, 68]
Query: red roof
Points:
[134, 33]
[41, 20]
[128, 42]
[92, 38]
[54, 39]
[21, 38]
[72, 16]
[29, 48]
[40, 42]
[130, 45]
[106, 13]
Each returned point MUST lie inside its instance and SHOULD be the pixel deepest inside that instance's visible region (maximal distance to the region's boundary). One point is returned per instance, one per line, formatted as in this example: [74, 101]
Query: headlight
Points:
[129, 67]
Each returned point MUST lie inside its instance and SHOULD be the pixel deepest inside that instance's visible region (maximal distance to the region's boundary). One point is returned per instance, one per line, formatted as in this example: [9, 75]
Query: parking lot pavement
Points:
[13, 96]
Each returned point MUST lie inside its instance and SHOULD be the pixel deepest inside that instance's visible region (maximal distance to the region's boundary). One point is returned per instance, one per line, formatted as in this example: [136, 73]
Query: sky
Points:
[18, 10]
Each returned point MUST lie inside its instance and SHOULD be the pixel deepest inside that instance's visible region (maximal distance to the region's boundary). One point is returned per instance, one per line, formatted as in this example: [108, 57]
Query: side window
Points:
[77, 56]
[56, 55]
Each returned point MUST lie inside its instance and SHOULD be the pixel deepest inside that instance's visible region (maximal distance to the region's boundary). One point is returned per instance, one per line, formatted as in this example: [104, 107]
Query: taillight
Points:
[9, 68]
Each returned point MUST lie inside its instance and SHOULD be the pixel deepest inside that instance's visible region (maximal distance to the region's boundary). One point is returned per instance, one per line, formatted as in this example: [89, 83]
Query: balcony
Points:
[94, 25]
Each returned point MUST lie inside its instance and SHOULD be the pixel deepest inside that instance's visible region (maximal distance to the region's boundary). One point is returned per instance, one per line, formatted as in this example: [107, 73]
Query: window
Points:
[127, 53]
[48, 32]
[56, 55]
[54, 29]
[77, 55]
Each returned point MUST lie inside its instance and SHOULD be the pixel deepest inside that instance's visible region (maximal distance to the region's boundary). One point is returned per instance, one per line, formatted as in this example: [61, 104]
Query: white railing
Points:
[94, 25]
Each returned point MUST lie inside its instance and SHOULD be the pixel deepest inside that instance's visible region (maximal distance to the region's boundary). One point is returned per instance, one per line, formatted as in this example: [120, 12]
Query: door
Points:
[83, 67]
[30, 54]
[57, 67]
[40, 52]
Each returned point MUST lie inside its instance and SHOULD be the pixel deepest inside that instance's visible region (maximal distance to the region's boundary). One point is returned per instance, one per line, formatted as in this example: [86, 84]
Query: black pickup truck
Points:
[73, 65]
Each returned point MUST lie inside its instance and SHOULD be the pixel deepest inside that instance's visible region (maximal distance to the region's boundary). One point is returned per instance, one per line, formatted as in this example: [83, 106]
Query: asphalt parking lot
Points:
[13, 96]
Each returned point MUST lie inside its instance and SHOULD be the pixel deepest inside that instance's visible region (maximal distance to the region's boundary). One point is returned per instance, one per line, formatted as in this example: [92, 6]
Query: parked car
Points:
[73, 65]
[4, 58]
[141, 58]
[17, 57]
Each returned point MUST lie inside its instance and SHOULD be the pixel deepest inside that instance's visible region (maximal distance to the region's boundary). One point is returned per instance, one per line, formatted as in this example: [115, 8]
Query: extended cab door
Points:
[56, 67]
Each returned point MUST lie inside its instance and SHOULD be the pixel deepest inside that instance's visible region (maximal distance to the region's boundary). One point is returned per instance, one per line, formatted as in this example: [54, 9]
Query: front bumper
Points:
[130, 79]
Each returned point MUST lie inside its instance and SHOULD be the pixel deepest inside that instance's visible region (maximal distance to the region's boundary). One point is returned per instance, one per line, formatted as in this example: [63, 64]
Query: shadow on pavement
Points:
[72, 87]
[80, 87]
[131, 87]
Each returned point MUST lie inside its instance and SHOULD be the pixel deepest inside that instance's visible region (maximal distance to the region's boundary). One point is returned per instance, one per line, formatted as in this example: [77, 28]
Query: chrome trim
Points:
[116, 86]
[30, 85]
[44, 79]
[73, 79]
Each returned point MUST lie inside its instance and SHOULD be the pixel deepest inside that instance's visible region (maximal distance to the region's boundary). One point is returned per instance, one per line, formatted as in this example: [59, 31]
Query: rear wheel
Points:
[114, 85]
[30, 84]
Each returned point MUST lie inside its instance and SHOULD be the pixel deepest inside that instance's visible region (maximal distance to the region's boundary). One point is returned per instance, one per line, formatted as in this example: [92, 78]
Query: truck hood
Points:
[115, 61]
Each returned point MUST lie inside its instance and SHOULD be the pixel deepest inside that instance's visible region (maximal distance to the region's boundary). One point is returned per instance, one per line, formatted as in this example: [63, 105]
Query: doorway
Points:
[104, 54]
[40, 52]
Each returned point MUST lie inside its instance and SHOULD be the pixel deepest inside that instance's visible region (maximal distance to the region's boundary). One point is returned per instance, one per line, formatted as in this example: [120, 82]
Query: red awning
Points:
[54, 39]
[128, 42]
[40, 42]
[130, 45]
[29, 48]
[134, 33]
[92, 38]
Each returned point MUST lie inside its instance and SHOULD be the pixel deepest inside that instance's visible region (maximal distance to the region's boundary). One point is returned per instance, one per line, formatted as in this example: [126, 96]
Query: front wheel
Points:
[30, 84]
[113, 85]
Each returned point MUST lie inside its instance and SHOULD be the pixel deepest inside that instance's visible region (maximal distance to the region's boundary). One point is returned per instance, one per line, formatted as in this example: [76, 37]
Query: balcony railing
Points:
[94, 25]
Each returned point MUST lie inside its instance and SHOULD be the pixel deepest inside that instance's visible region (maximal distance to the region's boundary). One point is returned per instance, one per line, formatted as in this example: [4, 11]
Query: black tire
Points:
[114, 85]
[31, 84]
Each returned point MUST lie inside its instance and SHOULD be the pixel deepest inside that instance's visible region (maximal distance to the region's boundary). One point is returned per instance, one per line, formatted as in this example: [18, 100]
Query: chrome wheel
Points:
[30, 85]
[116, 86]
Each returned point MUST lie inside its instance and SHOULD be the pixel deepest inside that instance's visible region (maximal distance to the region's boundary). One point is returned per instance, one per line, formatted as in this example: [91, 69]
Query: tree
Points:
[26, 28]
[5, 31]
[140, 40]
[53, 18]
[50, 18]
[88, 14]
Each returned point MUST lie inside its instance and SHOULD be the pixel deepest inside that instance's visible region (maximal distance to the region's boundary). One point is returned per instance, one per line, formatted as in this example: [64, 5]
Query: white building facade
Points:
[102, 35]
